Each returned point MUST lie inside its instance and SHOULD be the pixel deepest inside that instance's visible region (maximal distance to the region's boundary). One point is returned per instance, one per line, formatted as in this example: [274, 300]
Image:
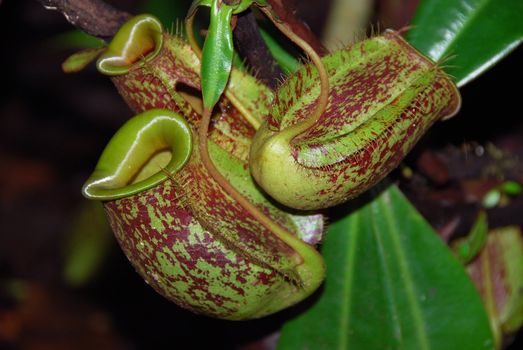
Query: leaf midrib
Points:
[405, 276]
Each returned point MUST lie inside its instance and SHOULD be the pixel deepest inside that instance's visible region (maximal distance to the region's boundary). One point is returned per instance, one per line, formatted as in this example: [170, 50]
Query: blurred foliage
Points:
[170, 13]
[469, 247]
[498, 273]
[74, 39]
[88, 244]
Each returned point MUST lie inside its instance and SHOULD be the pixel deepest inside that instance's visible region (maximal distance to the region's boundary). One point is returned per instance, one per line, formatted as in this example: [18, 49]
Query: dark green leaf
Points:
[391, 284]
[167, 11]
[467, 36]
[75, 39]
[217, 54]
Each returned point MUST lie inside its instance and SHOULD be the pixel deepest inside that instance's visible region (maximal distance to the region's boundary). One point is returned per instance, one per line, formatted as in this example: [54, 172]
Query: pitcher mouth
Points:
[138, 40]
[142, 153]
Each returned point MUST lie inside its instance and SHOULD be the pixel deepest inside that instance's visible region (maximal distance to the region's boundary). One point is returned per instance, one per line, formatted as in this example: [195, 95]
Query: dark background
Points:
[53, 126]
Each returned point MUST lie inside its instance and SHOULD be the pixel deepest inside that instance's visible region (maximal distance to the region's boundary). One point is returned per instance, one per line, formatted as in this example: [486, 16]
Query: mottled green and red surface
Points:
[157, 83]
[186, 237]
[202, 250]
[383, 97]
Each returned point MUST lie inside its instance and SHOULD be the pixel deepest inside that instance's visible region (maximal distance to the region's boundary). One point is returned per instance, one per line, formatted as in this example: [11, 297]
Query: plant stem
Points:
[254, 122]
[256, 213]
[323, 97]
[286, 11]
[203, 129]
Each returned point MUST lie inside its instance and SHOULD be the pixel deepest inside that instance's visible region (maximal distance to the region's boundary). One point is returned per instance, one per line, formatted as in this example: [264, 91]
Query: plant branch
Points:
[94, 17]
[323, 97]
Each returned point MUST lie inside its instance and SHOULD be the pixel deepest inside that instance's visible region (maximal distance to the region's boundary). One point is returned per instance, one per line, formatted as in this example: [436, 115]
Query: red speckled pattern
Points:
[186, 237]
[384, 95]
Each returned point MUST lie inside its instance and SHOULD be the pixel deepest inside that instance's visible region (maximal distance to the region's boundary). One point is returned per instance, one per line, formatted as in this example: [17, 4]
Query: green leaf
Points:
[74, 39]
[468, 248]
[79, 60]
[288, 63]
[469, 36]
[167, 11]
[241, 6]
[88, 244]
[511, 187]
[391, 284]
[217, 54]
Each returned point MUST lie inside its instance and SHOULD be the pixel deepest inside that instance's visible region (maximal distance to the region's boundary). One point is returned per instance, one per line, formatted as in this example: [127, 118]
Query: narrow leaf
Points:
[468, 248]
[87, 245]
[391, 284]
[74, 39]
[469, 36]
[288, 63]
[79, 60]
[241, 5]
[217, 54]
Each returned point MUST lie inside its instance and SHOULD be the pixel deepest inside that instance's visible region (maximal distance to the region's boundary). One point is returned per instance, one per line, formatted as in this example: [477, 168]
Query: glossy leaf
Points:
[217, 54]
[467, 36]
[391, 284]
